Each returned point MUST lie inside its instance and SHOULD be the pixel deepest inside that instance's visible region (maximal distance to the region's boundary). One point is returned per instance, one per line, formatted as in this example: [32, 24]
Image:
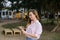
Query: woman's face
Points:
[31, 16]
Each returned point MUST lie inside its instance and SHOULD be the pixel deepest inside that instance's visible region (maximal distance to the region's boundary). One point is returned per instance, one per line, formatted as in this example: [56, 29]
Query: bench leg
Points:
[19, 33]
[14, 33]
[11, 33]
[5, 33]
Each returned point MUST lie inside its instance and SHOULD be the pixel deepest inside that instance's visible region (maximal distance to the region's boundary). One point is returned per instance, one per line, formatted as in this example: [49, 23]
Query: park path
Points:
[2, 37]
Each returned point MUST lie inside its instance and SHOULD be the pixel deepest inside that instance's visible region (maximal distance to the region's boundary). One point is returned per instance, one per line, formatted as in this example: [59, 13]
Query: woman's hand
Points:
[25, 33]
[22, 29]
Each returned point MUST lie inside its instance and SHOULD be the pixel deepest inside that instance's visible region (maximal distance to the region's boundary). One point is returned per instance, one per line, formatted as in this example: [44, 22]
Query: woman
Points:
[34, 28]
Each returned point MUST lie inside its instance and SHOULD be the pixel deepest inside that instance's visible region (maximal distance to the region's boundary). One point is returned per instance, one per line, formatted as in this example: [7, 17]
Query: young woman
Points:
[34, 27]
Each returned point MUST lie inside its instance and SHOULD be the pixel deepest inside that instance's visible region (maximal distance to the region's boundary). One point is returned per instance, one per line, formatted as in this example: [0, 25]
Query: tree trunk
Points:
[55, 28]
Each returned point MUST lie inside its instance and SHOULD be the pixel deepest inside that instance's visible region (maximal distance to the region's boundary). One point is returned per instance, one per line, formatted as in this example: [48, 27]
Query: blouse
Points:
[35, 28]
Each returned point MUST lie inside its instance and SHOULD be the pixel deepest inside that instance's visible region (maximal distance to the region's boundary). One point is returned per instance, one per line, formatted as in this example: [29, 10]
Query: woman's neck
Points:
[34, 20]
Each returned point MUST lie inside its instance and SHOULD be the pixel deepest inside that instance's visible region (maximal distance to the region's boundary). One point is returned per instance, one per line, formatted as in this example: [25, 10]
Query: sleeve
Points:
[38, 30]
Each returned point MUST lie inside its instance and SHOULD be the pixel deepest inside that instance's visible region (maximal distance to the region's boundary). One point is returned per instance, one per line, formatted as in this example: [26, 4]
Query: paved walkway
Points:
[2, 37]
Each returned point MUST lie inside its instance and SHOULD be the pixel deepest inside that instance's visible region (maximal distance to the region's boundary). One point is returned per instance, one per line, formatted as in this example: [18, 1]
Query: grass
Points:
[50, 36]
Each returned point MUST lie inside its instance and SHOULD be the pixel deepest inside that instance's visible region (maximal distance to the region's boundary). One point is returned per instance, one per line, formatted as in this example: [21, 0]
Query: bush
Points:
[15, 25]
[48, 25]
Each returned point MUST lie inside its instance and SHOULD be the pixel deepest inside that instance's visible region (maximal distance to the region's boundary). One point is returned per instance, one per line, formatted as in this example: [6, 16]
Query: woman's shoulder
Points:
[38, 23]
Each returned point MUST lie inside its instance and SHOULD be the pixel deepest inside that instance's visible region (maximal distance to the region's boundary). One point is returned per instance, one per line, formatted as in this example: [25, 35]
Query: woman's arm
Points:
[27, 34]
[38, 32]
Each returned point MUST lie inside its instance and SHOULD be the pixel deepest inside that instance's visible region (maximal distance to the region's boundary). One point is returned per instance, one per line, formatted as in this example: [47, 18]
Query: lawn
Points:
[50, 36]
[46, 35]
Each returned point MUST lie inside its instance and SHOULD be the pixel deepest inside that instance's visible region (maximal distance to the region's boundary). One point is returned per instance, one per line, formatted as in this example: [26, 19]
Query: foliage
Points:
[15, 25]
[48, 24]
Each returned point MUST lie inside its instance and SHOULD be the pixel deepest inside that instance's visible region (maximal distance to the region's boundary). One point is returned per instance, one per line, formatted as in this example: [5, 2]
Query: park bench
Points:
[16, 31]
[8, 31]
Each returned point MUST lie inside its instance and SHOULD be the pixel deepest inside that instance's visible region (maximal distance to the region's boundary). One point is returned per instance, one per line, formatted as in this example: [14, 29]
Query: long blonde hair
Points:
[35, 13]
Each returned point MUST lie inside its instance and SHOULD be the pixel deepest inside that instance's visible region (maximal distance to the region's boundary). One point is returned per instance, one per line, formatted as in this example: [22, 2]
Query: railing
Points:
[6, 14]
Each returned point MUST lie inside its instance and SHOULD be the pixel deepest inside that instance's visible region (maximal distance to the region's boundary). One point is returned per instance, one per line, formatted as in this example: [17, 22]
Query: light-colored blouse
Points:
[35, 28]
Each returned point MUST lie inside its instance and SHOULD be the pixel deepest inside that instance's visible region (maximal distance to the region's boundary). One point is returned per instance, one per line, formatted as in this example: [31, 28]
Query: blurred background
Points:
[13, 13]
